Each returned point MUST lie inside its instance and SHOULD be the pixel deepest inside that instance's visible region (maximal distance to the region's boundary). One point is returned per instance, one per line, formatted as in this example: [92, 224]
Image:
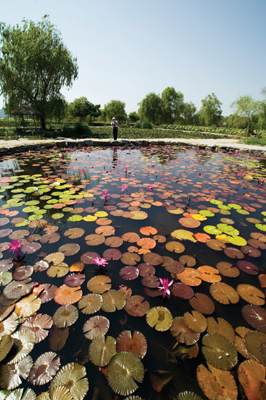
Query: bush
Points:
[79, 131]
[146, 125]
[137, 125]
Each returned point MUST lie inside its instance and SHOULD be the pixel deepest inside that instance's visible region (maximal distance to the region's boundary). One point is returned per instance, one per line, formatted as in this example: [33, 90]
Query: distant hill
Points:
[2, 114]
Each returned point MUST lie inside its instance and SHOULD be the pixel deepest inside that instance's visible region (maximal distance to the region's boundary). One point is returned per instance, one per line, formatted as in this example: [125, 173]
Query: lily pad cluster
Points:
[94, 233]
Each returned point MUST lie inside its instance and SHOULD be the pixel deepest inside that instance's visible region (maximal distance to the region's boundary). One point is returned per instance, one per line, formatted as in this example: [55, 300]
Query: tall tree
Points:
[210, 112]
[151, 108]
[82, 108]
[246, 107]
[188, 114]
[34, 65]
[115, 108]
[133, 116]
[173, 103]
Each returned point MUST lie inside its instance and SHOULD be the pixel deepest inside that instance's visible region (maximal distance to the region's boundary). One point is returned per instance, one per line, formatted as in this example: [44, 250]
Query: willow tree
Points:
[34, 66]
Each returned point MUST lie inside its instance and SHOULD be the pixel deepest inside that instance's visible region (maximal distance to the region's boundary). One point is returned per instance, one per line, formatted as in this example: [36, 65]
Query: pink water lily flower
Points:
[100, 261]
[150, 187]
[105, 195]
[125, 169]
[165, 286]
[123, 187]
[15, 246]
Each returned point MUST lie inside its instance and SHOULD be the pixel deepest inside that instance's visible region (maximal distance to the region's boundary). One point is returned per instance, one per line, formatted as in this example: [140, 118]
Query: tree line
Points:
[35, 65]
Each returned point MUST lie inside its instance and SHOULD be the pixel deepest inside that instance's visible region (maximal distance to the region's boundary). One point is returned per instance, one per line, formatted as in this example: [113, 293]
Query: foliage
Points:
[133, 116]
[235, 121]
[256, 140]
[151, 108]
[134, 133]
[173, 103]
[246, 107]
[79, 130]
[115, 108]
[34, 66]
[146, 125]
[188, 114]
[210, 112]
[81, 108]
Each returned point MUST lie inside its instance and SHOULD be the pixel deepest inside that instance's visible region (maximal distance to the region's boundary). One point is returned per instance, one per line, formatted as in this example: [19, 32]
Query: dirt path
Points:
[228, 143]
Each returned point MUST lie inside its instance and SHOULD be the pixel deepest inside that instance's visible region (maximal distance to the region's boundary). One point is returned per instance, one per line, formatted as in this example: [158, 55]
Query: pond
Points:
[132, 272]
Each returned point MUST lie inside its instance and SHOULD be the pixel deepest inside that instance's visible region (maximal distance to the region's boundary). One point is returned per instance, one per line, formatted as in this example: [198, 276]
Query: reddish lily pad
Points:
[146, 269]
[255, 316]
[50, 238]
[152, 259]
[129, 273]
[22, 272]
[150, 281]
[202, 303]
[232, 252]
[247, 267]
[112, 254]
[251, 251]
[87, 258]
[114, 241]
[30, 248]
[74, 280]
[137, 306]
[182, 290]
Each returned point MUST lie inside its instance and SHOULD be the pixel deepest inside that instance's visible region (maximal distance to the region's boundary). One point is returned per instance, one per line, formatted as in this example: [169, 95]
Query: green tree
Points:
[34, 65]
[210, 112]
[115, 108]
[246, 107]
[151, 108]
[82, 108]
[173, 103]
[188, 114]
[133, 117]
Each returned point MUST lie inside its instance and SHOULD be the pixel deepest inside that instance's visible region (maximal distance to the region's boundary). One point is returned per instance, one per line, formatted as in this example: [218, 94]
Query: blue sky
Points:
[127, 49]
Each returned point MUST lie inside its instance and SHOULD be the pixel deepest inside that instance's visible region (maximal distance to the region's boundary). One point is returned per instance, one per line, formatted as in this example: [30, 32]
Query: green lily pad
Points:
[75, 218]
[212, 230]
[57, 215]
[237, 240]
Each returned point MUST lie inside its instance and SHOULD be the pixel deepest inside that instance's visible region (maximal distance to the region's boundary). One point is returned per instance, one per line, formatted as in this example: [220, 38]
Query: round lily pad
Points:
[219, 351]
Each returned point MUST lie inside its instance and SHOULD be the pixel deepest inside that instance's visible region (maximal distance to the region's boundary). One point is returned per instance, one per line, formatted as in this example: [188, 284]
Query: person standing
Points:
[114, 124]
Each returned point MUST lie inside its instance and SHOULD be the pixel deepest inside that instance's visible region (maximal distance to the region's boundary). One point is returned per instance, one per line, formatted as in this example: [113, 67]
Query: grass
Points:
[254, 140]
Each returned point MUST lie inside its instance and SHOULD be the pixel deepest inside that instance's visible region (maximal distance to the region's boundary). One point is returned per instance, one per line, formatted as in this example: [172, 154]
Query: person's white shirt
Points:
[114, 123]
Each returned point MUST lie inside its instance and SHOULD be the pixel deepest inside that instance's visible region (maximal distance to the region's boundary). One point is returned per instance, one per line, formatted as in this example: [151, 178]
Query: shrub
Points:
[146, 125]
[137, 125]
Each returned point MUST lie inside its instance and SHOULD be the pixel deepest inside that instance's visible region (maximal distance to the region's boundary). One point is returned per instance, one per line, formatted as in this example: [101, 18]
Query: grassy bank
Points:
[255, 140]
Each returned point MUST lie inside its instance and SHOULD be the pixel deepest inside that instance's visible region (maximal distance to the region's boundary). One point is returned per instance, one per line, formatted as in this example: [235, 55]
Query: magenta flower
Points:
[100, 261]
[15, 246]
[125, 169]
[60, 159]
[105, 195]
[150, 187]
[165, 286]
[239, 174]
[123, 187]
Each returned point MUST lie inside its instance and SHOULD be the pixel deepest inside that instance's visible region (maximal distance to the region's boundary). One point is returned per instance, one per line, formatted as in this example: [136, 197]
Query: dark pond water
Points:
[204, 220]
